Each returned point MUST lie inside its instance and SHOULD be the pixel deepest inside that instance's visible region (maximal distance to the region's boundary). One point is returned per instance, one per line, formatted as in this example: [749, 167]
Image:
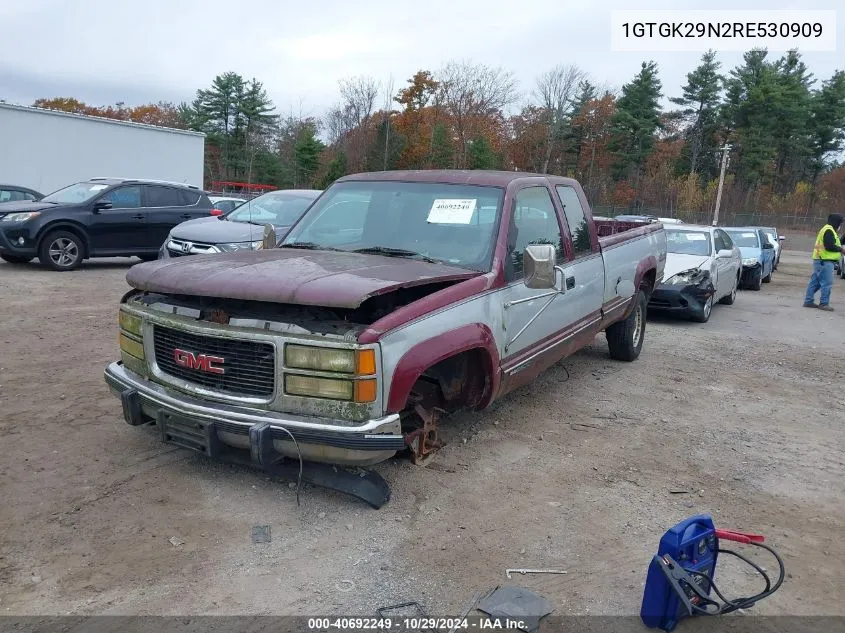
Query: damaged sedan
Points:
[703, 266]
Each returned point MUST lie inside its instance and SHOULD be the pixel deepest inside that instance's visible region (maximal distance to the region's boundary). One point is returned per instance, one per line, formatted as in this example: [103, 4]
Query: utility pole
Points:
[725, 149]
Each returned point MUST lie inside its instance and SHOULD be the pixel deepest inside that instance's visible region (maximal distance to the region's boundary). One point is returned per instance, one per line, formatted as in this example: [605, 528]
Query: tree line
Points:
[785, 129]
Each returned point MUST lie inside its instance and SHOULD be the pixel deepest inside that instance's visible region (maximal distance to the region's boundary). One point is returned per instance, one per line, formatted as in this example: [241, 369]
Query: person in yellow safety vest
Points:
[826, 253]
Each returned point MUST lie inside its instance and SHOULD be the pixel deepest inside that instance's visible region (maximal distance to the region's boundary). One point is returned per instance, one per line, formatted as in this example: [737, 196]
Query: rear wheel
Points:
[61, 250]
[625, 338]
[15, 259]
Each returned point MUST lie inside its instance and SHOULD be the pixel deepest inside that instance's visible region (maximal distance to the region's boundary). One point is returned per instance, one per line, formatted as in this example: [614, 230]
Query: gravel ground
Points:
[574, 472]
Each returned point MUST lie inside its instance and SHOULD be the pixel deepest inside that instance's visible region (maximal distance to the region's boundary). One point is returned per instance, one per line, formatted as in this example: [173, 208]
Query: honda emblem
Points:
[201, 362]
[186, 247]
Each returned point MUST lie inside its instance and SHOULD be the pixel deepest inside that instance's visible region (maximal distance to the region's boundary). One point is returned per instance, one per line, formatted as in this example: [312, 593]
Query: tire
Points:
[704, 315]
[15, 259]
[728, 300]
[61, 250]
[625, 338]
[148, 258]
[758, 282]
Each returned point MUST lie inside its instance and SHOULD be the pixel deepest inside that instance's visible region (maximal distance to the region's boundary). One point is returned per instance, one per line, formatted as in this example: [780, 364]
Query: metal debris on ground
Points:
[477, 596]
[399, 610]
[260, 533]
[508, 572]
[515, 604]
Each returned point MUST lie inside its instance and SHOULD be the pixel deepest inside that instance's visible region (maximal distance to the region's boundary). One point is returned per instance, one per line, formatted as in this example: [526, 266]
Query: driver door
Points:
[536, 323]
[119, 229]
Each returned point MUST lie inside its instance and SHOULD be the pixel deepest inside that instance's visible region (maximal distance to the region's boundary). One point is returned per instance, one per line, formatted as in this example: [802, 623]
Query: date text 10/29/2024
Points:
[413, 624]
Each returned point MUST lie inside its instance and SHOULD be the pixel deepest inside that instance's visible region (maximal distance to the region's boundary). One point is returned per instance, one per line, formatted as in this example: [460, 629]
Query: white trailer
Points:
[46, 150]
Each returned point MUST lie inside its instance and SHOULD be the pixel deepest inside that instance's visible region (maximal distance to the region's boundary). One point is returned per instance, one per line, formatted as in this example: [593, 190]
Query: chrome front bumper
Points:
[202, 425]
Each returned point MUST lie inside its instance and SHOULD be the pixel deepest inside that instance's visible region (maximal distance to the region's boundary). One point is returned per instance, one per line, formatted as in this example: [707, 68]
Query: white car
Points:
[702, 266]
[771, 234]
[226, 204]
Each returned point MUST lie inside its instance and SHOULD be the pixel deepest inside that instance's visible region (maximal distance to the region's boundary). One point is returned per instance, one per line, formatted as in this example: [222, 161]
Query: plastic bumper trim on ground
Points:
[371, 435]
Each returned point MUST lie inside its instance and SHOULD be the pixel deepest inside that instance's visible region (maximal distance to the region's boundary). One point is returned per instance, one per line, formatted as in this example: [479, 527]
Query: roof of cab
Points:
[488, 178]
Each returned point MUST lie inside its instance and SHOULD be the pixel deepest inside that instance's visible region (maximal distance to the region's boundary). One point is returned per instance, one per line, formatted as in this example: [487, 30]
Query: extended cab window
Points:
[577, 221]
[124, 197]
[534, 222]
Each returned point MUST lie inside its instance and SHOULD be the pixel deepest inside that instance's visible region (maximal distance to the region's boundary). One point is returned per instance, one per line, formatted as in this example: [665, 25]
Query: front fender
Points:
[430, 352]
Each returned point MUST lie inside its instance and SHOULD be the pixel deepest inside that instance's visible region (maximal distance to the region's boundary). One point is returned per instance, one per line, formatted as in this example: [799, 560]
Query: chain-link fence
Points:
[726, 218]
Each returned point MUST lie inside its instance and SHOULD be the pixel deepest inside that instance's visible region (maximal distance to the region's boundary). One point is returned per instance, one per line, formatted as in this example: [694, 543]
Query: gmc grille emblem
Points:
[200, 362]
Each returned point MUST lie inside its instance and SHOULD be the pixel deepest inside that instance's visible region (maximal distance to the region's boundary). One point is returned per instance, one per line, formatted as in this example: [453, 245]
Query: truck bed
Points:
[624, 246]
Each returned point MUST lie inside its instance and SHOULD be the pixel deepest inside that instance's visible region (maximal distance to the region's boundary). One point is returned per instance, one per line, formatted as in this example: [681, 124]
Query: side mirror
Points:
[102, 205]
[538, 265]
[725, 253]
[269, 239]
[216, 212]
[768, 246]
[781, 237]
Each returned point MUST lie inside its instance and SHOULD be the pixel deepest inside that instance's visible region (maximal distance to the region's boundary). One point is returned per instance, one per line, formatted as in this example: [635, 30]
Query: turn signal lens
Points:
[365, 362]
[365, 390]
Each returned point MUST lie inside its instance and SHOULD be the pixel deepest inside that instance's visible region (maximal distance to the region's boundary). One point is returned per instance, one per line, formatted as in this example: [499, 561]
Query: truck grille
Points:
[249, 367]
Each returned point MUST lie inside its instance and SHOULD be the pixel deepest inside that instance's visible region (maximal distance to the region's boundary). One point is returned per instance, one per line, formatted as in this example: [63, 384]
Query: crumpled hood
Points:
[212, 230]
[281, 275]
[676, 263]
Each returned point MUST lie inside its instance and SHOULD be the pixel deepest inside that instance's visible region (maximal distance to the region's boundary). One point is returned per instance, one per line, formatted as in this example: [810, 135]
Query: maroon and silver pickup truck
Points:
[397, 298]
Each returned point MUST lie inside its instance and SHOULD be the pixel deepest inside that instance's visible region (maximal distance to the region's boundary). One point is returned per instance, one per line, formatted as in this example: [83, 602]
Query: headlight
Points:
[345, 361]
[239, 246]
[689, 277]
[750, 261]
[131, 346]
[130, 323]
[319, 387]
[20, 217]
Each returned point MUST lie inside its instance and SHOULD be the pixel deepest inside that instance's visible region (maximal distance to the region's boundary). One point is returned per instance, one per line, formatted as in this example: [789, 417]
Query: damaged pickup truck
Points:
[397, 298]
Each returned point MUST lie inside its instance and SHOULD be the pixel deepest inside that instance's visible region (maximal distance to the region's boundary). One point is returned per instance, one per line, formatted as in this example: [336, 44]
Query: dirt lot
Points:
[573, 472]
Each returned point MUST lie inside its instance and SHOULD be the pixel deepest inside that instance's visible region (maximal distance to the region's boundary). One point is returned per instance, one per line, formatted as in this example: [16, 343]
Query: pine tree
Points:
[442, 148]
[307, 157]
[792, 121]
[749, 115]
[481, 154]
[827, 123]
[577, 133]
[700, 99]
[337, 168]
[635, 121]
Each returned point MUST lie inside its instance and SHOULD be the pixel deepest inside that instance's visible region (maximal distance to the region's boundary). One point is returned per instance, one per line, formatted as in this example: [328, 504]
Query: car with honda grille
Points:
[396, 299]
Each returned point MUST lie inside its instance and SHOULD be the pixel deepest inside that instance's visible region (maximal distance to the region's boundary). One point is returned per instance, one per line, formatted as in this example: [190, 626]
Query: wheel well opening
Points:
[458, 382]
[647, 282]
[70, 228]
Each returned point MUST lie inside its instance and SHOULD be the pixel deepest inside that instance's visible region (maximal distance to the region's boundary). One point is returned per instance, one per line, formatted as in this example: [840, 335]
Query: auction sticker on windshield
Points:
[696, 236]
[748, 235]
[451, 211]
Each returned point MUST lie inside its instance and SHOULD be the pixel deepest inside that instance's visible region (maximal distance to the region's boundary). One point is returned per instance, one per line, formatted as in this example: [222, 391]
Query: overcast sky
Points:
[104, 51]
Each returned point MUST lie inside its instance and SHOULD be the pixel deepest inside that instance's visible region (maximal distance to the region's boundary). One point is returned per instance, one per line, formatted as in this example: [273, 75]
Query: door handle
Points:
[570, 283]
[138, 217]
[186, 216]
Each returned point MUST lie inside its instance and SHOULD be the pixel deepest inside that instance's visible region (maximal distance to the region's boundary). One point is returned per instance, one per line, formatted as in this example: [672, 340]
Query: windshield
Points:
[76, 194]
[688, 242]
[455, 224]
[280, 209]
[745, 239]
